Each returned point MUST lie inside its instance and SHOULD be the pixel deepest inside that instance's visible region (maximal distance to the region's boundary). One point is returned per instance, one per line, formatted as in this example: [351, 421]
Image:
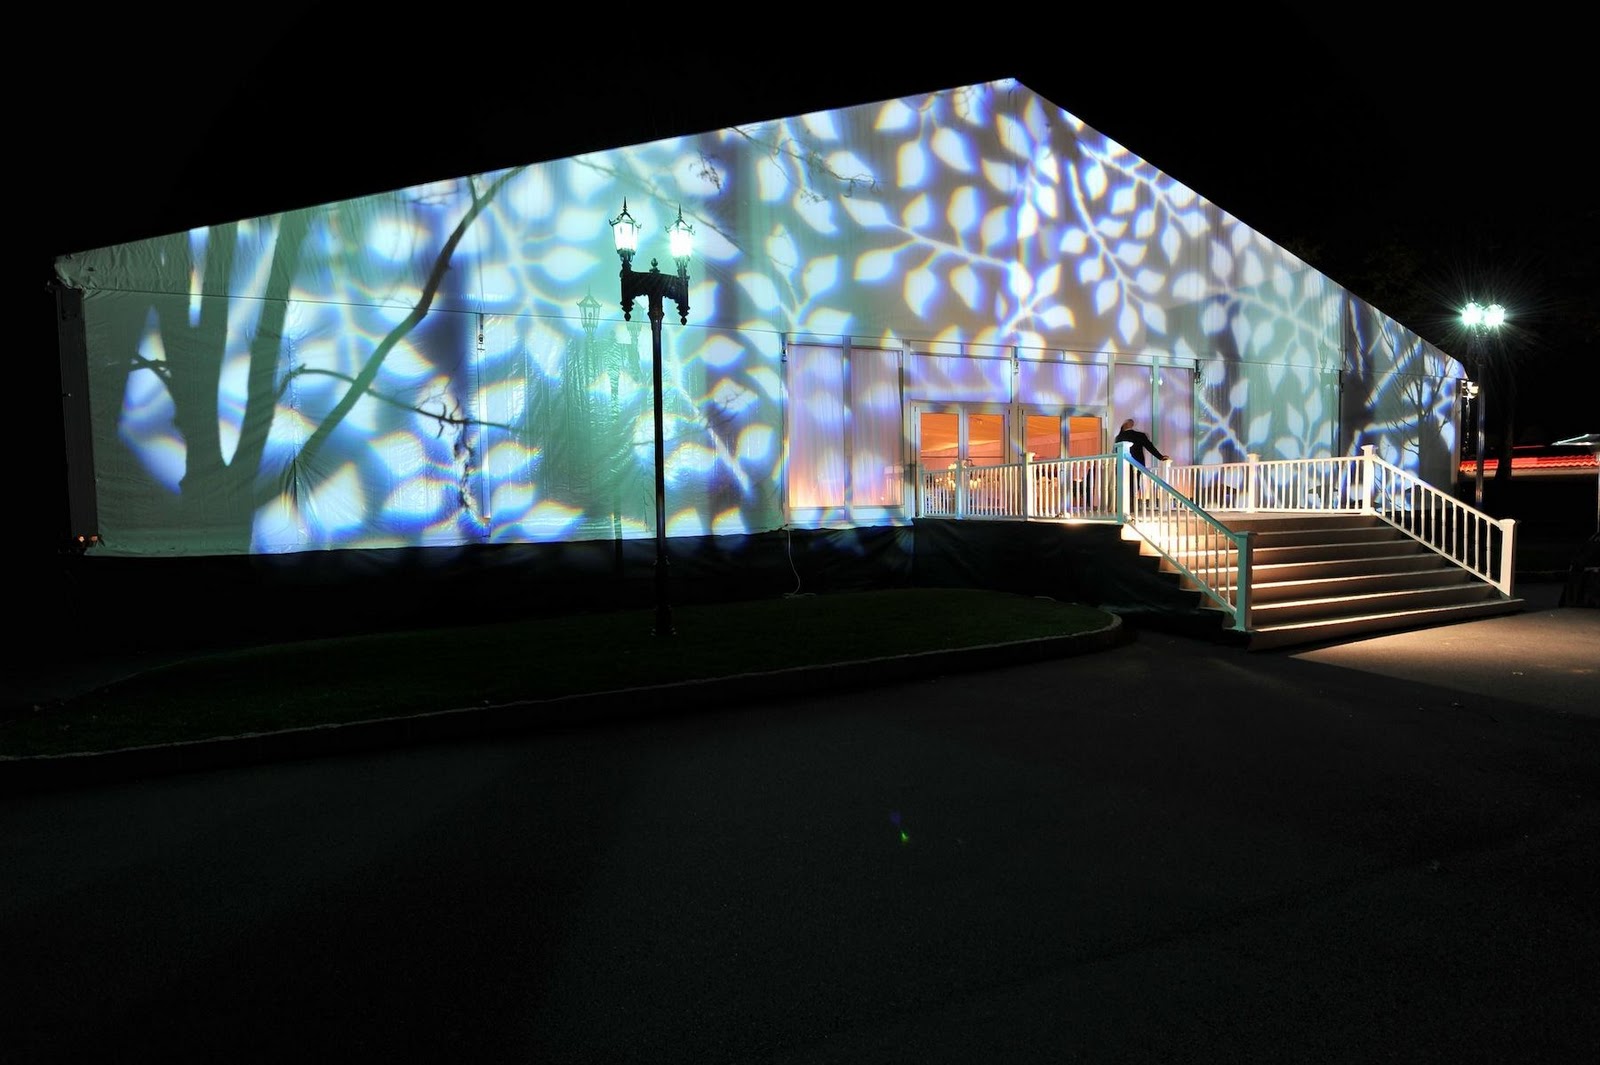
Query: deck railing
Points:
[1290, 485]
[1196, 544]
[1363, 484]
[1480, 544]
[1101, 488]
[1081, 488]
[1173, 509]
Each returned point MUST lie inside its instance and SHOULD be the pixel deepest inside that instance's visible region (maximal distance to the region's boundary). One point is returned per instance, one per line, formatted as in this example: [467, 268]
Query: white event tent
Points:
[964, 276]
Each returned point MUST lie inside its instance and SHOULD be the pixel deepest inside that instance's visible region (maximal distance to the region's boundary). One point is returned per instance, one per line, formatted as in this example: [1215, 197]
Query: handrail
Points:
[1100, 488]
[1081, 488]
[1480, 544]
[1252, 486]
[1364, 484]
[1213, 556]
[1172, 511]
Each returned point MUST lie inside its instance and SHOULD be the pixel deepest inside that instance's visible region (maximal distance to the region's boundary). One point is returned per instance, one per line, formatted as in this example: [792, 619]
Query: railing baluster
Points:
[1086, 488]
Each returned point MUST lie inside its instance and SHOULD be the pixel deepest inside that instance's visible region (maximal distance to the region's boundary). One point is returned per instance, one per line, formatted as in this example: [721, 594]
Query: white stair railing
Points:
[1200, 547]
[1362, 484]
[1102, 488]
[1171, 511]
[1482, 545]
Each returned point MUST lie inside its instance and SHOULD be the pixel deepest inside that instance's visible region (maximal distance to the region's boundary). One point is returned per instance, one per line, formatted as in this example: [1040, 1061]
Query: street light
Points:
[1480, 321]
[656, 287]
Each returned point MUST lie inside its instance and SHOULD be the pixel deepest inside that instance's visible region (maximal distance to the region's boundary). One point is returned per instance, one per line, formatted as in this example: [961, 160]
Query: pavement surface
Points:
[1168, 850]
[1539, 655]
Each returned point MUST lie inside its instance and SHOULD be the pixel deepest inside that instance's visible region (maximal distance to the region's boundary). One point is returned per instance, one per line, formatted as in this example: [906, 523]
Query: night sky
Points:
[1342, 136]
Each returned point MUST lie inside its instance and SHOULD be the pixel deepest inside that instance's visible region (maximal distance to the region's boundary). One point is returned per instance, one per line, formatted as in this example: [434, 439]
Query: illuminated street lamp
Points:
[656, 287]
[1480, 322]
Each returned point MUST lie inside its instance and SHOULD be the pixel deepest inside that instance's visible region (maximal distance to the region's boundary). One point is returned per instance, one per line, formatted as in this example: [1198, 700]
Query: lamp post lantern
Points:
[656, 287]
[1480, 322]
[589, 314]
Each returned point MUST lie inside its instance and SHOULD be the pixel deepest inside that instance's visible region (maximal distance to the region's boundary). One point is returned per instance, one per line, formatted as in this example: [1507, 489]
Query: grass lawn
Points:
[392, 674]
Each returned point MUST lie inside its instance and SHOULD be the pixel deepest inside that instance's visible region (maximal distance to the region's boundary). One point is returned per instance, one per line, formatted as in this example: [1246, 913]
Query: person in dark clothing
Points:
[1139, 442]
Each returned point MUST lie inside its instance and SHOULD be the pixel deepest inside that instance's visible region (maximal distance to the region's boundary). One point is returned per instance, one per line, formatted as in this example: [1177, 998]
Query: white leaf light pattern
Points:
[945, 229]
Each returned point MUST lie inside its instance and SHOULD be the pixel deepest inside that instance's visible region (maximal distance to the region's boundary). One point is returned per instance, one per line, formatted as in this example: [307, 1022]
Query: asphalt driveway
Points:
[1165, 851]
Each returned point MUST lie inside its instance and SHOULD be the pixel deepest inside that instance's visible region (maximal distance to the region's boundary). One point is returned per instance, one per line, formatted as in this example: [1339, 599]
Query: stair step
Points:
[1312, 608]
[1321, 518]
[1328, 552]
[1276, 572]
[1342, 586]
[1306, 550]
[1328, 576]
[1318, 535]
[1293, 634]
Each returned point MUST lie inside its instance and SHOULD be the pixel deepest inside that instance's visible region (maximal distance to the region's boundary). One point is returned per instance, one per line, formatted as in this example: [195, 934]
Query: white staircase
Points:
[1317, 577]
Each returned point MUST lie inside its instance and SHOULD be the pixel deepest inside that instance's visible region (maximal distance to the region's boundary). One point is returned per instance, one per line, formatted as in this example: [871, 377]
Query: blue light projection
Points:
[411, 368]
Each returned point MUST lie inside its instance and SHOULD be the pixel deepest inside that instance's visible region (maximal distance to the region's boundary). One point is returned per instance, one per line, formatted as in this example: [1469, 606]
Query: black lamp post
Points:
[656, 287]
[1480, 321]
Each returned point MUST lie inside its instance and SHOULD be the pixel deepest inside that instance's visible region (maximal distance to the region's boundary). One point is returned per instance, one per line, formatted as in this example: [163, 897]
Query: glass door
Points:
[952, 438]
[1057, 489]
[1057, 436]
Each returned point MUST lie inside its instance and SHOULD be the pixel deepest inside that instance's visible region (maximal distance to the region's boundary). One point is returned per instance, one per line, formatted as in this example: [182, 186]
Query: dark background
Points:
[1418, 162]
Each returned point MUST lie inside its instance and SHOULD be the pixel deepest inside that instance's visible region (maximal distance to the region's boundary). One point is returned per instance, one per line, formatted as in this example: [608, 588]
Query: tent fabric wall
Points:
[416, 368]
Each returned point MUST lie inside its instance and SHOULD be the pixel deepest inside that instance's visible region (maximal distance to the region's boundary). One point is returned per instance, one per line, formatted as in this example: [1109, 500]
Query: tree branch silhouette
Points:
[444, 418]
[361, 384]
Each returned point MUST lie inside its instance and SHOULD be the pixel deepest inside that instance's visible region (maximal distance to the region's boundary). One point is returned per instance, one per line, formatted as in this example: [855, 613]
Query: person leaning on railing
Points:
[1138, 443]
